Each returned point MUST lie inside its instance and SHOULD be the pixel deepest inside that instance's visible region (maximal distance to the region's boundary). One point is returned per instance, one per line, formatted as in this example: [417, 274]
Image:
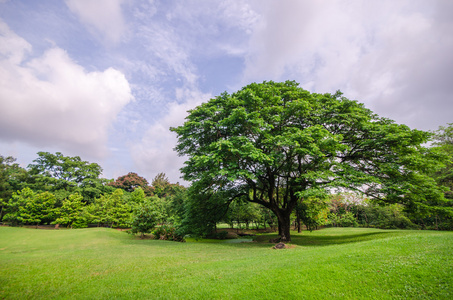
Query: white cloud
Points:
[393, 55]
[155, 154]
[52, 101]
[12, 46]
[104, 16]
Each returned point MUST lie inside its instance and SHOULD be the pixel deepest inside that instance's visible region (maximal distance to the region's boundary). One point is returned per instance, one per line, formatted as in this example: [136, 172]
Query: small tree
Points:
[312, 212]
[111, 210]
[71, 213]
[137, 196]
[28, 207]
[160, 184]
[143, 219]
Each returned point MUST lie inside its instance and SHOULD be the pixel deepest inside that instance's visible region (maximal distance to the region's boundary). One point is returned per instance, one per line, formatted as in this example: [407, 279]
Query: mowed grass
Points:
[342, 263]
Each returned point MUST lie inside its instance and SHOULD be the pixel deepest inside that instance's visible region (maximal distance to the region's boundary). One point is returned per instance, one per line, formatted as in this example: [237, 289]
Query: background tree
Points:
[131, 181]
[161, 184]
[442, 216]
[72, 170]
[443, 141]
[312, 212]
[275, 144]
[176, 200]
[71, 213]
[144, 219]
[12, 177]
[63, 175]
[202, 211]
[28, 207]
[243, 212]
[137, 196]
[111, 210]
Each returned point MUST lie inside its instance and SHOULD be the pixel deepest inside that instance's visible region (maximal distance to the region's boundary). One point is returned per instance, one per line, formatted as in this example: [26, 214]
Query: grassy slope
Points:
[341, 263]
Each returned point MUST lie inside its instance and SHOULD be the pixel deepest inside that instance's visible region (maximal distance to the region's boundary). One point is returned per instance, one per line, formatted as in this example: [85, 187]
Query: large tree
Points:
[70, 170]
[276, 144]
[64, 175]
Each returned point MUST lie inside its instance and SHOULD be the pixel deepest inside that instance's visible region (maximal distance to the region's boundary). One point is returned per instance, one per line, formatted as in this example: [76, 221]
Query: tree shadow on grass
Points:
[306, 239]
[313, 240]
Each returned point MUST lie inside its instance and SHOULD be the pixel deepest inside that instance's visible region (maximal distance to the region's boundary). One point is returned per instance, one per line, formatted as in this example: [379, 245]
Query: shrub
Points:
[388, 217]
[143, 220]
[343, 220]
[167, 233]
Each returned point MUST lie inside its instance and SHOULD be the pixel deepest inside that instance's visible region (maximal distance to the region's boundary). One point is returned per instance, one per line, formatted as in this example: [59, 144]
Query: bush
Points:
[143, 220]
[167, 233]
[343, 220]
[388, 217]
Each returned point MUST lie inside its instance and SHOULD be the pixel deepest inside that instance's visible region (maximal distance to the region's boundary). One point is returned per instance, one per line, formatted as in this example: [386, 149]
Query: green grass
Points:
[346, 263]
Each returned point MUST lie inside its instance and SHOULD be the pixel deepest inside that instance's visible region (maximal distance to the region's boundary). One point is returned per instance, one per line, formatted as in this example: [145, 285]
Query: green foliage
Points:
[70, 170]
[143, 219]
[81, 197]
[161, 209]
[137, 197]
[111, 210]
[312, 212]
[203, 210]
[11, 177]
[276, 143]
[442, 216]
[72, 213]
[28, 207]
[167, 232]
[387, 217]
[241, 211]
[346, 219]
[160, 184]
[130, 182]
[65, 175]
[176, 200]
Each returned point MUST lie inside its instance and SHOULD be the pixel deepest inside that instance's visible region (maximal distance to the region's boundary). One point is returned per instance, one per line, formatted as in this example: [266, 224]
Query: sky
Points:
[106, 79]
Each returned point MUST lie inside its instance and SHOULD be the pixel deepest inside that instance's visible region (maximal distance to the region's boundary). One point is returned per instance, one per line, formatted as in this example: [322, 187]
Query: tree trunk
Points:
[284, 225]
[279, 226]
[298, 221]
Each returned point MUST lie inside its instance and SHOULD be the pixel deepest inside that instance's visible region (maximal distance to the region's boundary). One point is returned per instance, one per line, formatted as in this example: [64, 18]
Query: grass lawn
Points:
[343, 263]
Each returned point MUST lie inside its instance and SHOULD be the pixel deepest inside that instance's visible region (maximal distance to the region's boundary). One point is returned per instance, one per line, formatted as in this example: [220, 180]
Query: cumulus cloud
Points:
[393, 55]
[51, 100]
[104, 16]
[154, 154]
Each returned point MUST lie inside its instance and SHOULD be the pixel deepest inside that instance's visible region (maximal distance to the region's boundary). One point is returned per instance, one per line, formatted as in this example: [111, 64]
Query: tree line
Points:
[67, 191]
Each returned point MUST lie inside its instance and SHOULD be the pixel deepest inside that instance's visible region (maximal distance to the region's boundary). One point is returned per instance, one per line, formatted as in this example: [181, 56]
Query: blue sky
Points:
[105, 79]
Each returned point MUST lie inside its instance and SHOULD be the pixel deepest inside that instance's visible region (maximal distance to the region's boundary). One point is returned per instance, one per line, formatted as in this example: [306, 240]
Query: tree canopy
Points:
[70, 169]
[276, 144]
[64, 175]
[443, 140]
[131, 181]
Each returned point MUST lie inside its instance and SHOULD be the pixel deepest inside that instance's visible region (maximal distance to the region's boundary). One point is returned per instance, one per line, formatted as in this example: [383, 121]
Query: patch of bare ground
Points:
[284, 246]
